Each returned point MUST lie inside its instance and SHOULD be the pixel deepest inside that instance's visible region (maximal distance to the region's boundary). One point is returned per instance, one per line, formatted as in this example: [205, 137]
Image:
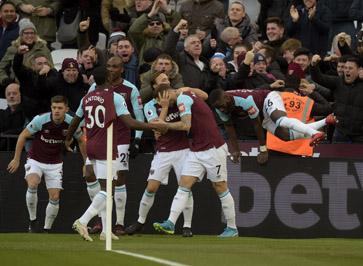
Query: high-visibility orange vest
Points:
[298, 107]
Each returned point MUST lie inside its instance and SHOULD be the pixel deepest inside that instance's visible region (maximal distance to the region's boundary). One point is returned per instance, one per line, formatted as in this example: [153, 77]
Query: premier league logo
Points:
[150, 112]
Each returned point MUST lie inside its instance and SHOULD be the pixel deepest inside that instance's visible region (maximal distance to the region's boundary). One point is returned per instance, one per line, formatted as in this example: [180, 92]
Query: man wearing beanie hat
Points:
[68, 83]
[27, 37]
[26, 24]
[247, 78]
[295, 68]
[112, 41]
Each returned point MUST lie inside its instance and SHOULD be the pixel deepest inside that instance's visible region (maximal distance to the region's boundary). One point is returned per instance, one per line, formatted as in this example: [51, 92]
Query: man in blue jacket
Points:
[9, 28]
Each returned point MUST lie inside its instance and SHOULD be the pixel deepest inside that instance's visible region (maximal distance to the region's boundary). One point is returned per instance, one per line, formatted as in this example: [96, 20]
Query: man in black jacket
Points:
[348, 94]
[12, 119]
[69, 83]
[35, 99]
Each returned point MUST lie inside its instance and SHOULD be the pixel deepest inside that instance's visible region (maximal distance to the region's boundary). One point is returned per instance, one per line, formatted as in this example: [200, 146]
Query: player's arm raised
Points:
[14, 164]
[200, 93]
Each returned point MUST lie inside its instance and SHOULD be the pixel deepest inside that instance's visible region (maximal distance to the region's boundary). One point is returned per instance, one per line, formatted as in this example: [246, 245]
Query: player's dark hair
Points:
[160, 89]
[59, 99]
[215, 95]
[101, 75]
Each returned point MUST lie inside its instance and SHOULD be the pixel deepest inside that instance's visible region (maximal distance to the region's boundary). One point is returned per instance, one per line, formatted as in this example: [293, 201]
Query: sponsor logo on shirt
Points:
[31, 126]
[152, 172]
[139, 100]
[181, 108]
[51, 141]
[172, 116]
[125, 105]
[252, 110]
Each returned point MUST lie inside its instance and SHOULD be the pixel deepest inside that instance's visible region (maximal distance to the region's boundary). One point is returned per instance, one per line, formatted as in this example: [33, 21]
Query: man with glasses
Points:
[28, 37]
[150, 29]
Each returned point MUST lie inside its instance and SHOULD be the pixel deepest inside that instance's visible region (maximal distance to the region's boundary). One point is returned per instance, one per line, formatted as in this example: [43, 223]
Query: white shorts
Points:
[53, 173]
[163, 162]
[212, 161]
[100, 168]
[272, 102]
[123, 156]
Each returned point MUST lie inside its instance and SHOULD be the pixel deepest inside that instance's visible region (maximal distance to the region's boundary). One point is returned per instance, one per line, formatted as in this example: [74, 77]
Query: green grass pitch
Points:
[71, 250]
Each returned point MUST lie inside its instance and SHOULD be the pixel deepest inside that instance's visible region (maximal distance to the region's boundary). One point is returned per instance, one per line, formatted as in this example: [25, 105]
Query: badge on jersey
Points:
[139, 100]
[149, 112]
[181, 108]
[125, 105]
[252, 110]
[123, 94]
[65, 132]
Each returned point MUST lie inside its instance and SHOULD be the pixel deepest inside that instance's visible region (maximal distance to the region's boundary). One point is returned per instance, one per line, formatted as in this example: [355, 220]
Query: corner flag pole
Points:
[109, 188]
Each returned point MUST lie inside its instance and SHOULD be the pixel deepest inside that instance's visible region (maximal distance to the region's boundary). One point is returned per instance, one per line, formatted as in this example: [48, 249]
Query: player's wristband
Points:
[263, 148]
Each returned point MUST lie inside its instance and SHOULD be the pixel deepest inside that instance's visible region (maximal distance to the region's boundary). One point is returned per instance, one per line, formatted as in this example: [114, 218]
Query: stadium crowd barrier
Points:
[289, 197]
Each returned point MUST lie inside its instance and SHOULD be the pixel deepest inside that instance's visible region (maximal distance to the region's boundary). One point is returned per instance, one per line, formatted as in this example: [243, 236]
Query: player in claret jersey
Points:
[266, 106]
[172, 149]
[208, 154]
[45, 158]
[125, 151]
[100, 108]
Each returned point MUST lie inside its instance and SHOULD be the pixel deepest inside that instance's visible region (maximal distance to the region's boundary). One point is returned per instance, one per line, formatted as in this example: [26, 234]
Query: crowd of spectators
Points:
[200, 45]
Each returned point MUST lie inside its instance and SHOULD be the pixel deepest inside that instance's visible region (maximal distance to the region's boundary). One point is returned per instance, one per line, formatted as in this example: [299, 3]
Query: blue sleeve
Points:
[36, 124]
[79, 111]
[222, 115]
[135, 99]
[120, 105]
[184, 103]
[150, 111]
[248, 105]
[92, 88]
[137, 108]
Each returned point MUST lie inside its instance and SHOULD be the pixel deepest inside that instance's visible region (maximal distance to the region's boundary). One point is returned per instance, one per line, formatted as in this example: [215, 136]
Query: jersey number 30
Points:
[100, 111]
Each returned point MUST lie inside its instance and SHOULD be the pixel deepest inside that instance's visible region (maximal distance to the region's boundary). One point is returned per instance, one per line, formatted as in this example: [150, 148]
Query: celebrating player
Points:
[100, 108]
[208, 155]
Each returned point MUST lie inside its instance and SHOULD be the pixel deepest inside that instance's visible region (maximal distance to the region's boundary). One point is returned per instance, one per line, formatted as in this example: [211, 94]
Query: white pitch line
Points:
[166, 262]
